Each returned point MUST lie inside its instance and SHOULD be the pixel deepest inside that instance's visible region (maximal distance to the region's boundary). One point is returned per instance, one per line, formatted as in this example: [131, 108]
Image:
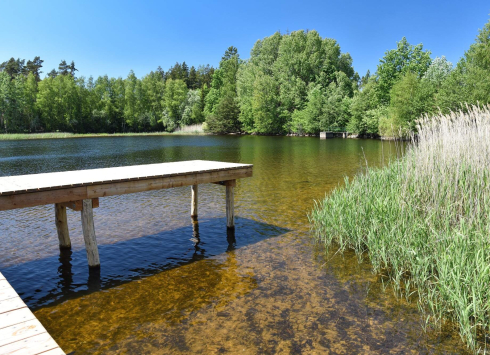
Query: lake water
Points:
[171, 285]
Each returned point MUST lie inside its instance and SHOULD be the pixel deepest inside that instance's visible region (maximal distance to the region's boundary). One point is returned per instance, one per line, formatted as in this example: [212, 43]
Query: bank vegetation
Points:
[424, 221]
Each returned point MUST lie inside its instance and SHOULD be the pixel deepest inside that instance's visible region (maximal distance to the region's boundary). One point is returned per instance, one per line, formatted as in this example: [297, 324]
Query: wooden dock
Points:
[20, 332]
[80, 190]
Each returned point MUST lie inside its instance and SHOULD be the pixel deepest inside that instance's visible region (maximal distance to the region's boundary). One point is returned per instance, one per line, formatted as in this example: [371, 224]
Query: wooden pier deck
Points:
[20, 332]
[80, 190]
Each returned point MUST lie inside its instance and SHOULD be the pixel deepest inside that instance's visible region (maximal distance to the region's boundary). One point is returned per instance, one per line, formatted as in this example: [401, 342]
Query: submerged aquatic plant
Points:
[424, 219]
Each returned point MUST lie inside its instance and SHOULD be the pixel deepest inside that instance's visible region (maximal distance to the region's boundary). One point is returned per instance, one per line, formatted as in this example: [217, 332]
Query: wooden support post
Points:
[89, 234]
[62, 226]
[194, 201]
[230, 213]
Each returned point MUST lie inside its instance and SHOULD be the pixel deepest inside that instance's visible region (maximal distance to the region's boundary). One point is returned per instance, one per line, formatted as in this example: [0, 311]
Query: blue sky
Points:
[113, 37]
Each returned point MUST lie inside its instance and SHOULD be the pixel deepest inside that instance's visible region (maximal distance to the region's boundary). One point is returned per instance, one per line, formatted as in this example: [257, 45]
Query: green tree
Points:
[34, 66]
[63, 68]
[29, 102]
[438, 71]
[221, 109]
[153, 87]
[191, 112]
[192, 81]
[13, 67]
[410, 98]
[366, 109]
[175, 96]
[406, 58]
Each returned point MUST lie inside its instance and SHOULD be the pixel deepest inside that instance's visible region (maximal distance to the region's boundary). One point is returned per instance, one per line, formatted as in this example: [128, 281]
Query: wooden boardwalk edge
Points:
[20, 330]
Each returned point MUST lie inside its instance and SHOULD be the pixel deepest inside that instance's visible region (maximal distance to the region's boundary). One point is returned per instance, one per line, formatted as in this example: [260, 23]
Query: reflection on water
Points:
[169, 284]
[58, 278]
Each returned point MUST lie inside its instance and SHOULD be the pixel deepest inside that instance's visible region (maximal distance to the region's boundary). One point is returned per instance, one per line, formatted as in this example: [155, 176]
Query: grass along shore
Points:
[186, 130]
[425, 221]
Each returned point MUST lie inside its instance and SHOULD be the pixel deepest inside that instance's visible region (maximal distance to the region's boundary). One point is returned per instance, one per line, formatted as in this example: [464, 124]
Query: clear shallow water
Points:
[168, 285]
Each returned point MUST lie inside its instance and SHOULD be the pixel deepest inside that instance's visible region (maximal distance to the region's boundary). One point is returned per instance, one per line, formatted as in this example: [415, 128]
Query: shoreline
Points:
[68, 135]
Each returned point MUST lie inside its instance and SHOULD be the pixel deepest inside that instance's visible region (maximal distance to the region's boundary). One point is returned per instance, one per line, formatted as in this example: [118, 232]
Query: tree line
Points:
[64, 102]
[296, 83]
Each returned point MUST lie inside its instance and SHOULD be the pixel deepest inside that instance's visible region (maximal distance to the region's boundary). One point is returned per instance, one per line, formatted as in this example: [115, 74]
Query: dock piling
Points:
[62, 226]
[194, 201]
[89, 234]
[230, 213]
[80, 190]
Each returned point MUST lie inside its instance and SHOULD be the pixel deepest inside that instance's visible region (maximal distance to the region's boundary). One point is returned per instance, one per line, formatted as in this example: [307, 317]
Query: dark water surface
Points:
[168, 285]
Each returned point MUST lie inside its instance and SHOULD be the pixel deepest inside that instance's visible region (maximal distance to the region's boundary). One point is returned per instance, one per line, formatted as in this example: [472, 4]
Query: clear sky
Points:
[113, 37]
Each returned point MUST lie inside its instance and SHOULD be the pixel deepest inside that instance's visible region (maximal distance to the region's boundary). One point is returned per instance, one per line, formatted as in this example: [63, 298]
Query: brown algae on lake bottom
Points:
[269, 297]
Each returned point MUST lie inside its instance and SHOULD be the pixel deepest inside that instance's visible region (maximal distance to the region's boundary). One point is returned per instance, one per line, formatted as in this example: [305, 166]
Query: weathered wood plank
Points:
[62, 225]
[7, 293]
[165, 183]
[4, 284]
[20, 331]
[89, 234]
[194, 200]
[32, 199]
[77, 205]
[11, 304]
[69, 179]
[17, 316]
[118, 188]
[34, 345]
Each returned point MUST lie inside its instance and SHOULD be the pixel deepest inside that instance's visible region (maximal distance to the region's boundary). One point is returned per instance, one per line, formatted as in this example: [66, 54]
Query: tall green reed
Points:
[424, 219]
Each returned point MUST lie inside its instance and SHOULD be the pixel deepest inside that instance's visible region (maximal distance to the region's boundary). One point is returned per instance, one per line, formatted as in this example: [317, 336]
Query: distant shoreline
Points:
[62, 135]
[67, 135]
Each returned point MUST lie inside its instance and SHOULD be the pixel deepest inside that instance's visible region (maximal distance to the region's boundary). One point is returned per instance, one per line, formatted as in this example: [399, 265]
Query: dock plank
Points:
[20, 331]
[33, 345]
[17, 316]
[10, 185]
[11, 304]
[7, 294]
[63, 187]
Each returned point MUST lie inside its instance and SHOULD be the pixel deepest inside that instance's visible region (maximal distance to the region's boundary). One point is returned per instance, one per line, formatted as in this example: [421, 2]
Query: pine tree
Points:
[53, 73]
[63, 68]
[13, 67]
[72, 69]
[192, 80]
[34, 66]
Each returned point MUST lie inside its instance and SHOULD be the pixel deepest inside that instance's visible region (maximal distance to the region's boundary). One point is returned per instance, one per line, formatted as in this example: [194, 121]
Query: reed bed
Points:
[190, 129]
[424, 221]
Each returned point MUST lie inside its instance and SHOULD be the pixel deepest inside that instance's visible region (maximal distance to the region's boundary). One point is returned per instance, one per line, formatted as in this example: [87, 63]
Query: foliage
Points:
[438, 71]
[410, 98]
[296, 82]
[221, 109]
[366, 109]
[175, 95]
[406, 58]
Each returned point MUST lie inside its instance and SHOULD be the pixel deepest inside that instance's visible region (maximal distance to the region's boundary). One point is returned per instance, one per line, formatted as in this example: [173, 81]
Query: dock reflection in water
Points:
[53, 280]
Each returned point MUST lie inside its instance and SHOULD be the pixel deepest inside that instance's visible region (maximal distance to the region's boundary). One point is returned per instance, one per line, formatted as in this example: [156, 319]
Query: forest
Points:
[293, 83]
